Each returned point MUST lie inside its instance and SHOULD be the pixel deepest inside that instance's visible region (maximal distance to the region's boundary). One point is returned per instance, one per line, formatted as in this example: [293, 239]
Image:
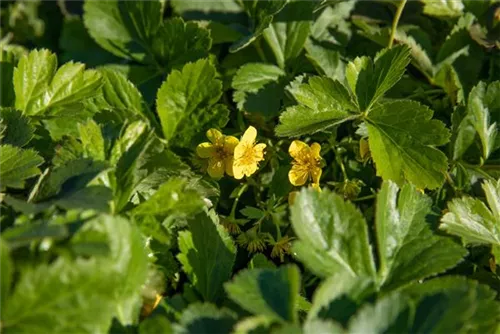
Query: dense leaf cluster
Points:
[110, 223]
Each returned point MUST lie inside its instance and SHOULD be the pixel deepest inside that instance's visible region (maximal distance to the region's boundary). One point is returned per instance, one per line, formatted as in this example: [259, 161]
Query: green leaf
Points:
[6, 272]
[66, 179]
[326, 60]
[332, 235]
[261, 14]
[133, 144]
[482, 103]
[402, 138]
[41, 90]
[207, 254]
[444, 8]
[258, 88]
[92, 140]
[18, 131]
[269, 292]
[120, 97]
[174, 197]
[454, 304]
[17, 165]
[155, 324]
[89, 198]
[370, 80]
[205, 319]
[470, 219]
[408, 250]
[123, 28]
[323, 103]
[387, 315]
[288, 33]
[187, 100]
[8, 60]
[96, 288]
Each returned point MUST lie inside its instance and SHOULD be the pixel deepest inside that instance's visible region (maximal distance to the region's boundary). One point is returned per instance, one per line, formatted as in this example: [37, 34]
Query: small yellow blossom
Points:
[306, 164]
[247, 154]
[219, 151]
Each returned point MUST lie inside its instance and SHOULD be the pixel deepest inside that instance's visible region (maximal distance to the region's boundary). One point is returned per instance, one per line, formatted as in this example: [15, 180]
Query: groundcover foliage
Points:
[250, 166]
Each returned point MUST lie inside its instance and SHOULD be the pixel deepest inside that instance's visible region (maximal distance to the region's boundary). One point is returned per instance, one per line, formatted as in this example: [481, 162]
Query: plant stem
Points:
[236, 200]
[395, 22]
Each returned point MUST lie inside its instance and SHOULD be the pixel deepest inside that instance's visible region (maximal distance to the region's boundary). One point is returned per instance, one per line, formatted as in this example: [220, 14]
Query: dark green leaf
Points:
[17, 165]
[19, 130]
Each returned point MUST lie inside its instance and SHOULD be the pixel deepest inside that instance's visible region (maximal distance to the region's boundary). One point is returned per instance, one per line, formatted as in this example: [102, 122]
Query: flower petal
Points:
[215, 135]
[297, 175]
[216, 168]
[250, 169]
[316, 174]
[229, 165]
[230, 142]
[315, 149]
[237, 171]
[205, 150]
[259, 151]
[249, 136]
[296, 148]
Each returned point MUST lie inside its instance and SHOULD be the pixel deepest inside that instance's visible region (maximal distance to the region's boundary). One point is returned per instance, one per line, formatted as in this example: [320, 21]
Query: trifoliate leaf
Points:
[18, 129]
[369, 80]
[258, 89]
[402, 138]
[470, 219]
[269, 292]
[205, 319]
[323, 103]
[96, 288]
[207, 255]
[408, 249]
[483, 102]
[261, 14]
[332, 235]
[42, 89]
[288, 33]
[6, 273]
[187, 100]
[443, 8]
[17, 165]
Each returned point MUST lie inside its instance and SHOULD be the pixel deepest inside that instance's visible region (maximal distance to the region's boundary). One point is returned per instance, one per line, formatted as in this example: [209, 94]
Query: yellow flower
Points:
[219, 151]
[306, 163]
[247, 154]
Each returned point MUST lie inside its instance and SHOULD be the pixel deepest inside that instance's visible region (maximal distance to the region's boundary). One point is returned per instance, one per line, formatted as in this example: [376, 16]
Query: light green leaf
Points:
[261, 14]
[408, 250]
[120, 97]
[41, 90]
[288, 33]
[92, 140]
[483, 101]
[207, 254]
[323, 103]
[443, 8]
[370, 80]
[17, 165]
[6, 273]
[402, 138]
[332, 235]
[470, 219]
[155, 324]
[97, 288]
[18, 129]
[326, 60]
[174, 197]
[387, 315]
[269, 292]
[258, 88]
[205, 319]
[187, 100]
